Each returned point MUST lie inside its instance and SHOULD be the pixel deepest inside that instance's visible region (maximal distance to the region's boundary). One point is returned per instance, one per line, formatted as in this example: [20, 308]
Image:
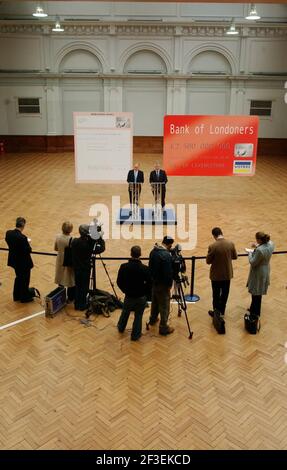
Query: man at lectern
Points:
[158, 176]
[135, 179]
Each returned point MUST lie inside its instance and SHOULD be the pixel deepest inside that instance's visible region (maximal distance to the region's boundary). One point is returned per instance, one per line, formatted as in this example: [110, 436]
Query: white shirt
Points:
[136, 175]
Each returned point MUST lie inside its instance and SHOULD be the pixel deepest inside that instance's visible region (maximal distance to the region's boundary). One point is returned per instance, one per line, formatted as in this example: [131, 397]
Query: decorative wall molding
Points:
[141, 144]
[145, 29]
[204, 30]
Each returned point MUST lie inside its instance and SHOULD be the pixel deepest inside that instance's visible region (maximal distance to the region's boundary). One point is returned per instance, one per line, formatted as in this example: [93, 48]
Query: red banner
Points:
[210, 145]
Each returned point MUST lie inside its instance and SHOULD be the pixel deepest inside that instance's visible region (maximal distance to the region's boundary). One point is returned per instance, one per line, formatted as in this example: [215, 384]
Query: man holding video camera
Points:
[82, 250]
[160, 265]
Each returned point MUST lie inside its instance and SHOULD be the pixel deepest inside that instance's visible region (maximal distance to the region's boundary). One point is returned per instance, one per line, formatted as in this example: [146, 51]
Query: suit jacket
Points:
[131, 177]
[134, 279]
[162, 177]
[259, 275]
[19, 250]
[219, 255]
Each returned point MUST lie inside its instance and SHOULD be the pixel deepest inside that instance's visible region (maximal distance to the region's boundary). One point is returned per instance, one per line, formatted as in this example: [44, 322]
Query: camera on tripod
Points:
[96, 233]
[179, 266]
[180, 278]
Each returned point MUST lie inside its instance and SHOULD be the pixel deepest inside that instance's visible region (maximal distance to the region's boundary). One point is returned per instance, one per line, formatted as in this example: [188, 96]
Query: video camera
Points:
[96, 234]
[178, 265]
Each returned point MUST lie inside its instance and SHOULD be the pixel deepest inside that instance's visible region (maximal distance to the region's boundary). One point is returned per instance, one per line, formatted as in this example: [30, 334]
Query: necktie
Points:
[136, 174]
[157, 174]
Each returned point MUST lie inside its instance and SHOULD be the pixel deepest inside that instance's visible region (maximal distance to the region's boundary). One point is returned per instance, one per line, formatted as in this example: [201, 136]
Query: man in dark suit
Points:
[135, 282]
[82, 249]
[135, 176]
[158, 176]
[19, 258]
[161, 269]
[220, 255]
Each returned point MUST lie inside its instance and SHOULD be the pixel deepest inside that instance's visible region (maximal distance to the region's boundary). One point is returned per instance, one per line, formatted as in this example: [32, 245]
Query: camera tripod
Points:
[93, 285]
[101, 296]
[181, 302]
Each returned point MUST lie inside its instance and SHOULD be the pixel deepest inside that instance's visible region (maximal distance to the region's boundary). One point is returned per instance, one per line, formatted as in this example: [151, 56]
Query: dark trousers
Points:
[163, 192]
[220, 291]
[70, 292]
[255, 307]
[135, 195]
[137, 305]
[82, 281]
[21, 285]
[160, 304]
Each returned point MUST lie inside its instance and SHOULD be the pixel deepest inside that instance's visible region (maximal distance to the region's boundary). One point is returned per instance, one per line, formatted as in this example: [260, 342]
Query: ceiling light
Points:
[232, 30]
[253, 15]
[58, 28]
[39, 13]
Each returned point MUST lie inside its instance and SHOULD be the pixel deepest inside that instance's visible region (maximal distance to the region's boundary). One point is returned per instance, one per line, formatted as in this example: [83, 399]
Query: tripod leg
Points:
[184, 308]
[111, 284]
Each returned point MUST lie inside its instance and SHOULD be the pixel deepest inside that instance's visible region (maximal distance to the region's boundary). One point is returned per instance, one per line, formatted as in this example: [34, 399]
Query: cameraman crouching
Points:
[134, 281]
[82, 249]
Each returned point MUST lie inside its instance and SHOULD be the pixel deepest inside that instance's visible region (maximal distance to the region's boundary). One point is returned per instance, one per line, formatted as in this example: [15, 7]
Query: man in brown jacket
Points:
[220, 255]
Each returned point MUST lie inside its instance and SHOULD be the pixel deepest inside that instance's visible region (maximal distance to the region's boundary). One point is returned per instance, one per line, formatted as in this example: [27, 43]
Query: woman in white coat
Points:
[259, 274]
[64, 274]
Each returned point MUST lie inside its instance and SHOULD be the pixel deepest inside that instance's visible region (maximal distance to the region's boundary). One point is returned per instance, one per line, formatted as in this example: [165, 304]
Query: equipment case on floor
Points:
[55, 300]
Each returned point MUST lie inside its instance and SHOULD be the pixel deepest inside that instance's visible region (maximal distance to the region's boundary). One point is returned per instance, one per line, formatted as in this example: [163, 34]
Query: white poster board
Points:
[103, 147]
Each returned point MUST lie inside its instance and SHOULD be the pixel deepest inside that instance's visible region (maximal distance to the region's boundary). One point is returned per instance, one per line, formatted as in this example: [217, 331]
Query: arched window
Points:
[80, 61]
[145, 62]
[210, 62]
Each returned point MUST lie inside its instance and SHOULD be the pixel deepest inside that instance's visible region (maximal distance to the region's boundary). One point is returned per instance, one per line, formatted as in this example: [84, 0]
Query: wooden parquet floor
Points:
[65, 385]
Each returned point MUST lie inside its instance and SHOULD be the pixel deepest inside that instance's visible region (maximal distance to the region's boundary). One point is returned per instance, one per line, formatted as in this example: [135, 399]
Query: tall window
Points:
[29, 105]
[260, 108]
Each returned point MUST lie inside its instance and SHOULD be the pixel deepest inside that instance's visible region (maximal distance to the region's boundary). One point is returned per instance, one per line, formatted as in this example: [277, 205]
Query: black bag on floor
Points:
[33, 292]
[102, 302]
[251, 323]
[219, 322]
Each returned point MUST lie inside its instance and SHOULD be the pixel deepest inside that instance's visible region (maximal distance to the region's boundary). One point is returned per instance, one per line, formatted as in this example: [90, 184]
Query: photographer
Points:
[160, 264]
[82, 249]
[135, 282]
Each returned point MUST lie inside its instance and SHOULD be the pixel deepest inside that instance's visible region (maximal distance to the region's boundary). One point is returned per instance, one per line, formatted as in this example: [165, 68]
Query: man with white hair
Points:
[158, 180]
[135, 179]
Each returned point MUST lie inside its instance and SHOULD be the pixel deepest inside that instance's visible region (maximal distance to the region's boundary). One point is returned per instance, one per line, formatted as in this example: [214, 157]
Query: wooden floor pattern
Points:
[65, 385]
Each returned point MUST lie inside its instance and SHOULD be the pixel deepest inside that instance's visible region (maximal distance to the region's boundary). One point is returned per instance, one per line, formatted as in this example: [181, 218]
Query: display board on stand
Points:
[103, 147]
[210, 145]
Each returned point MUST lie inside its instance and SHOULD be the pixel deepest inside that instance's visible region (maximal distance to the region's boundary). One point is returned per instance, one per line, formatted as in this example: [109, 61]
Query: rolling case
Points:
[54, 301]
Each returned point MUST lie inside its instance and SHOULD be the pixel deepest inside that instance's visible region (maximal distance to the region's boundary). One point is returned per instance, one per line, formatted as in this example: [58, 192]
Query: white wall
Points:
[20, 124]
[102, 56]
[147, 100]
